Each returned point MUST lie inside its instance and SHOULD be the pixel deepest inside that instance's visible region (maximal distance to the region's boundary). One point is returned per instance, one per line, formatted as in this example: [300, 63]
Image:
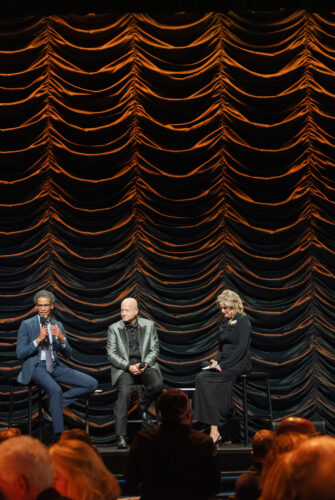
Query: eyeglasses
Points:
[40, 306]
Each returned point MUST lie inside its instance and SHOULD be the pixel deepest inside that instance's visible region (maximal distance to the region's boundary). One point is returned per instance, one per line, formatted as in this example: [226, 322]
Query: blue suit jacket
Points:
[28, 353]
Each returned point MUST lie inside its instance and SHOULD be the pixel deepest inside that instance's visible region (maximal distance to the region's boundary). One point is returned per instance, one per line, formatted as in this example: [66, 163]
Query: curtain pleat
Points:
[166, 157]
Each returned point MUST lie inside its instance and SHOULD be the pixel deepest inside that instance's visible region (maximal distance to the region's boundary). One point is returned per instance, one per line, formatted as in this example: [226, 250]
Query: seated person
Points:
[283, 444]
[78, 434]
[39, 341]
[172, 460]
[132, 348]
[247, 486]
[213, 399]
[26, 470]
[296, 424]
[80, 472]
[10, 433]
[305, 473]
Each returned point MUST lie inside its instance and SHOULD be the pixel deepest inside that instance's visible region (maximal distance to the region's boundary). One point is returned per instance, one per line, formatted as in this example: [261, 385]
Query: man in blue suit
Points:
[39, 341]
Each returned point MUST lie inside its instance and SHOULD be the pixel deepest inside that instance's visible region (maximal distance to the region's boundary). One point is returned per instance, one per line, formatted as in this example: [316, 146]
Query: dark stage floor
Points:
[234, 459]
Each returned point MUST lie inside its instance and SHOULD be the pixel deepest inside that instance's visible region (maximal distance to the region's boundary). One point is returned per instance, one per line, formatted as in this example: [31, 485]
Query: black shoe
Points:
[46, 415]
[121, 443]
[146, 420]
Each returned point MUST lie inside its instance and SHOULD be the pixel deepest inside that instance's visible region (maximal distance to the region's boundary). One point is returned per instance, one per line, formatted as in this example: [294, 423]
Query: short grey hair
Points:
[27, 456]
[46, 294]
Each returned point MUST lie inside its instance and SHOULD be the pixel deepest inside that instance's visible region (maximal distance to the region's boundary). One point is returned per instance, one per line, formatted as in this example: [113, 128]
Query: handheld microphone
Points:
[44, 322]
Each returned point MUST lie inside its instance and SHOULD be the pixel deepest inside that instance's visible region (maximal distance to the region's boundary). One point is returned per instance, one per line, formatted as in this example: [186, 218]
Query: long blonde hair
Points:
[81, 473]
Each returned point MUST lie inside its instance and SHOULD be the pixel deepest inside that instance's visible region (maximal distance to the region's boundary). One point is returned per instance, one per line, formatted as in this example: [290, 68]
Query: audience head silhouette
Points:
[10, 433]
[25, 468]
[174, 407]
[296, 424]
[80, 472]
[305, 473]
[261, 444]
[79, 434]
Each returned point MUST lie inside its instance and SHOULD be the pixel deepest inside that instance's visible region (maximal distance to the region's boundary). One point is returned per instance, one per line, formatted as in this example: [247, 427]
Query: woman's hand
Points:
[214, 364]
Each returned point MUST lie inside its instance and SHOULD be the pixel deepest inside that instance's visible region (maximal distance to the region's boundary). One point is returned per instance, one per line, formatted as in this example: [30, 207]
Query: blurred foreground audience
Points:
[281, 445]
[247, 485]
[9, 433]
[26, 470]
[172, 460]
[79, 434]
[290, 433]
[305, 473]
[80, 472]
[268, 450]
[296, 424]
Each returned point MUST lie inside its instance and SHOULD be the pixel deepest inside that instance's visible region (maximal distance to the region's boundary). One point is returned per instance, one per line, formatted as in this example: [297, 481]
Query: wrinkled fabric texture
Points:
[170, 156]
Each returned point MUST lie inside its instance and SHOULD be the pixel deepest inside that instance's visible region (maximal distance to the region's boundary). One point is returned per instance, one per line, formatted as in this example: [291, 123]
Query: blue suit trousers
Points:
[81, 384]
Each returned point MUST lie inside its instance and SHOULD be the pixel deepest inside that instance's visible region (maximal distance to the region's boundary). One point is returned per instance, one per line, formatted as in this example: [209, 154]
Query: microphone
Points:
[44, 322]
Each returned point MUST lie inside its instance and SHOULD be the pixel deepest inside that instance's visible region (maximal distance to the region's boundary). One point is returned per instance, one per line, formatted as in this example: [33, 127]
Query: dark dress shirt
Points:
[134, 343]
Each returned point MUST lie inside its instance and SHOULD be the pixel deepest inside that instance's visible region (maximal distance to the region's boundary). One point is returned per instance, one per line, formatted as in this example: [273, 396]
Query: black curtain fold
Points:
[169, 156]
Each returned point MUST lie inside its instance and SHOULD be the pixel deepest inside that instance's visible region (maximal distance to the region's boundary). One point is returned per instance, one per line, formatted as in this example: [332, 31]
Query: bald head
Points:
[129, 310]
[129, 302]
[296, 424]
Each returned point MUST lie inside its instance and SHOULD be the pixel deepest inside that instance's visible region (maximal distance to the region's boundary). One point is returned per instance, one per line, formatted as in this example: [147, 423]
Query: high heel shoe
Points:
[217, 440]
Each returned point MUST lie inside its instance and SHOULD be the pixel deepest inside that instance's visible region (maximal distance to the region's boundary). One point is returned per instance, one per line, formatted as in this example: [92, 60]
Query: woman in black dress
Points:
[213, 403]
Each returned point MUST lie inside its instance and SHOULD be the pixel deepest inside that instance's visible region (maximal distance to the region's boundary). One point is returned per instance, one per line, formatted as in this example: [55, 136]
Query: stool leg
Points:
[39, 400]
[156, 411]
[30, 416]
[268, 393]
[245, 410]
[87, 408]
[11, 406]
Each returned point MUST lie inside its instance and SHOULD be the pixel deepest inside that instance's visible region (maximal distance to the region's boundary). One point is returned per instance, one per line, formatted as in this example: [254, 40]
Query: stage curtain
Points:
[168, 157]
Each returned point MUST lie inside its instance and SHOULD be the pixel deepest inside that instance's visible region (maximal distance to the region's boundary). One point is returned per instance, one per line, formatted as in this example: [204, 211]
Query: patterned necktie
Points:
[48, 358]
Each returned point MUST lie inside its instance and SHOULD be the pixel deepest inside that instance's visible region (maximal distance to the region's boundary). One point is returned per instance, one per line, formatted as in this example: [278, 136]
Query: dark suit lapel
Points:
[36, 331]
[36, 327]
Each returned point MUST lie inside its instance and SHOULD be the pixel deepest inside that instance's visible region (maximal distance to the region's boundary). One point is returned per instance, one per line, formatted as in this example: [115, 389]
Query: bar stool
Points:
[30, 388]
[246, 379]
[137, 420]
[190, 392]
[87, 409]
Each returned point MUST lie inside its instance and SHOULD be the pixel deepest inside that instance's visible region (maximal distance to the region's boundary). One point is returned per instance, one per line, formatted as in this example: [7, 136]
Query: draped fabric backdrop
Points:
[167, 157]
